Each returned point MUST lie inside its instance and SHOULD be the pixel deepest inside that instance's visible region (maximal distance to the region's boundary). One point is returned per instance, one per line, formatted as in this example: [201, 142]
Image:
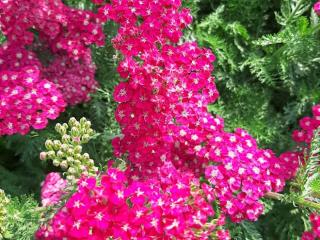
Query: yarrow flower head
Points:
[315, 233]
[67, 76]
[52, 189]
[114, 207]
[74, 78]
[62, 27]
[163, 113]
[26, 99]
[303, 137]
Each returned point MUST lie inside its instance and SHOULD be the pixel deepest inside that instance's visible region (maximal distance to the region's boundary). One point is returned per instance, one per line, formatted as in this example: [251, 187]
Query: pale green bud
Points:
[91, 162]
[51, 154]
[77, 149]
[60, 154]
[86, 156]
[78, 156]
[56, 144]
[74, 132]
[56, 163]
[83, 121]
[85, 138]
[64, 165]
[72, 121]
[72, 170]
[49, 144]
[64, 147]
[70, 160]
[66, 138]
[70, 151]
[71, 178]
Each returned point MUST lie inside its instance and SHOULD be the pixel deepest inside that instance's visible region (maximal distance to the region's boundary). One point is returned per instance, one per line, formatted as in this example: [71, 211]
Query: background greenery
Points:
[267, 73]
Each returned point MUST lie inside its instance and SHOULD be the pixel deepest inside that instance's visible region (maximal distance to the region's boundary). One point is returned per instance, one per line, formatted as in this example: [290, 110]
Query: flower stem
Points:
[299, 201]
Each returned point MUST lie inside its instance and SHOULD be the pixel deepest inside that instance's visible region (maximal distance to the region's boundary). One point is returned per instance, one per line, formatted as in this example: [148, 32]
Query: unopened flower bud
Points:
[85, 138]
[49, 144]
[43, 156]
[64, 165]
[90, 132]
[60, 154]
[64, 147]
[78, 149]
[86, 156]
[70, 152]
[76, 140]
[83, 121]
[75, 132]
[56, 144]
[78, 156]
[91, 162]
[87, 125]
[72, 170]
[56, 163]
[51, 154]
[65, 126]
[70, 178]
[65, 138]
[70, 160]
[60, 129]
[72, 121]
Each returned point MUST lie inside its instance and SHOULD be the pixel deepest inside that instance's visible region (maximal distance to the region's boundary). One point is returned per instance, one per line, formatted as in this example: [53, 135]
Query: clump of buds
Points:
[3, 203]
[67, 152]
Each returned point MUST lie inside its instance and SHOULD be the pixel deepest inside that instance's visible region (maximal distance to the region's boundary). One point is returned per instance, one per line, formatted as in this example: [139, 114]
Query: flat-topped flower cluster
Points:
[171, 206]
[35, 87]
[163, 113]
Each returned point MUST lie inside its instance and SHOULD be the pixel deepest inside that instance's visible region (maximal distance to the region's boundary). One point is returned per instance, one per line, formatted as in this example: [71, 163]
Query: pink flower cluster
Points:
[241, 174]
[52, 189]
[170, 206]
[303, 138]
[163, 110]
[60, 26]
[308, 125]
[36, 29]
[315, 233]
[145, 23]
[74, 78]
[26, 99]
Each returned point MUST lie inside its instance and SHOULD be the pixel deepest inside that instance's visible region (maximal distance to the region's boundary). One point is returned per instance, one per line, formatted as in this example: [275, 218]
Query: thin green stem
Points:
[299, 201]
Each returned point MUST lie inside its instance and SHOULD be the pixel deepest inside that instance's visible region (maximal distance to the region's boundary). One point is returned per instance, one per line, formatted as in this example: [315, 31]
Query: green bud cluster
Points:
[67, 151]
[4, 201]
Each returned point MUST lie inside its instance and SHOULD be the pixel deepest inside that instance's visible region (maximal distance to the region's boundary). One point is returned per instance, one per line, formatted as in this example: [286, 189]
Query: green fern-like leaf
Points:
[291, 10]
[23, 218]
[246, 231]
